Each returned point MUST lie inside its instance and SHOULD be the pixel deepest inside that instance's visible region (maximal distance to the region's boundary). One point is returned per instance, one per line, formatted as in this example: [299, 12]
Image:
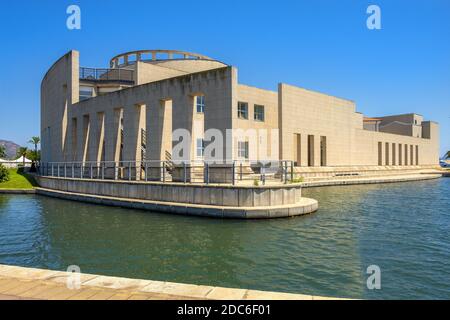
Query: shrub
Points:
[4, 173]
[298, 180]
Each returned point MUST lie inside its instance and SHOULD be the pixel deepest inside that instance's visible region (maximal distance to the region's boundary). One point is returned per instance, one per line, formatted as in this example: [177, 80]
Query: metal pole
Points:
[53, 171]
[282, 170]
[164, 171]
[292, 170]
[206, 179]
[91, 173]
[263, 175]
[146, 171]
[241, 175]
[233, 171]
[184, 172]
[65, 170]
[116, 172]
[73, 170]
[285, 172]
[103, 170]
[129, 171]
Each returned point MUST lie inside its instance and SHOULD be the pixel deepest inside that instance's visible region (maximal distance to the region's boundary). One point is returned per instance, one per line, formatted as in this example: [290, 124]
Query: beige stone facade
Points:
[130, 111]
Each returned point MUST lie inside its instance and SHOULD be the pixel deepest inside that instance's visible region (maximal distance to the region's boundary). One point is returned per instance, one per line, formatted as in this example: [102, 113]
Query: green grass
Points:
[18, 180]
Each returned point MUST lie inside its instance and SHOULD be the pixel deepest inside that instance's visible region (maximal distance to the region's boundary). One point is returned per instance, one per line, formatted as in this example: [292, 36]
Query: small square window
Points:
[200, 104]
[259, 113]
[243, 110]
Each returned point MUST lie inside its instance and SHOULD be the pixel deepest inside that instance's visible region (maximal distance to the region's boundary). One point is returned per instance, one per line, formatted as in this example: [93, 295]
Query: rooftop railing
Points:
[115, 75]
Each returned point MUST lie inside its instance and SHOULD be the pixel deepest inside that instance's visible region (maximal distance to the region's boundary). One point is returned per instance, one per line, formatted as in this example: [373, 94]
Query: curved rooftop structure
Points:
[154, 55]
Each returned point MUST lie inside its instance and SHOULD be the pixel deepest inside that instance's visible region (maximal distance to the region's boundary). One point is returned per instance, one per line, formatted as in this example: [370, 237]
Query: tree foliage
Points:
[35, 141]
[2, 152]
[4, 173]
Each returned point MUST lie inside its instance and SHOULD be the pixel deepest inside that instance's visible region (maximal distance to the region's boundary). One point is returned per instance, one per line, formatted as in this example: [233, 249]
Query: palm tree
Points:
[35, 141]
[22, 152]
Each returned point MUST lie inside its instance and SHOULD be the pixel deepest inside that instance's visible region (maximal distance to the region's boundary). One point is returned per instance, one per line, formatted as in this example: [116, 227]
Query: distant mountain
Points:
[11, 148]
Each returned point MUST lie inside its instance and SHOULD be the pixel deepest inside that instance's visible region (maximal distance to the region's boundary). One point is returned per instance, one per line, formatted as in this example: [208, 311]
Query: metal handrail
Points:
[118, 74]
[195, 171]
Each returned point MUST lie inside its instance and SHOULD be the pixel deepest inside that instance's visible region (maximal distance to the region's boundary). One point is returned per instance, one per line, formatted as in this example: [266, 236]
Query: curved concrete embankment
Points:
[302, 207]
[218, 201]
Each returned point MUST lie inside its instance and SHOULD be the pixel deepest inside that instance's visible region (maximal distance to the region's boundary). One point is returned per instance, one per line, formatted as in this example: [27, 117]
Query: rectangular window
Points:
[310, 150]
[323, 151]
[394, 151]
[380, 153]
[243, 149]
[86, 93]
[200, 148]
[259, 113]
[417, 155]
[200, 103]
[406, 154]
[386, 155]
[242, 110]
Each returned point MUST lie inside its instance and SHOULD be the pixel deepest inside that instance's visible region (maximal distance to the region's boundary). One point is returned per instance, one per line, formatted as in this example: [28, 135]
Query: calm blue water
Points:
[403, 228]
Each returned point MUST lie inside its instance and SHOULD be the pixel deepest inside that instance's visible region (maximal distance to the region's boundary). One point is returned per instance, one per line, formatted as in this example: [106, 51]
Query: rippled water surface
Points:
[403, 228]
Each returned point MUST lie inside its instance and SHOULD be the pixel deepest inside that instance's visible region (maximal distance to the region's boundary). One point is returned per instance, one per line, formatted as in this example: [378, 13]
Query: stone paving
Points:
[18, 283]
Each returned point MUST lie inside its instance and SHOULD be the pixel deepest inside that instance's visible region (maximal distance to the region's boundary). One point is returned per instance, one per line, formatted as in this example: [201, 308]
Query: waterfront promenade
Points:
[18, 283]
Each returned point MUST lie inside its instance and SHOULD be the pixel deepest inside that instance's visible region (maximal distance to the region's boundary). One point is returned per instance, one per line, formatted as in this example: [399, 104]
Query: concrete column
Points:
[83, 138]
[183, 107]
[71, 142]
[159, 129]
[112, 133]
[97, 135]
[132, 132]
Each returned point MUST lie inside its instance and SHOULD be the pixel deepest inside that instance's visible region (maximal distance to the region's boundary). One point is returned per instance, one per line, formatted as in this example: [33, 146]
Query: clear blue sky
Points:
[320, 45]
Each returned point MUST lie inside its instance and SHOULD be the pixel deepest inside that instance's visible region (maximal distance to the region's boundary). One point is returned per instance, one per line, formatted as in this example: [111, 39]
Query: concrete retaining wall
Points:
[215, 195]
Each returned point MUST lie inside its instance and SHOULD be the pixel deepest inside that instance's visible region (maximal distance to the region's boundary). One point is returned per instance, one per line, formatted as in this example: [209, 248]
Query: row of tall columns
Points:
[398, 154]
[97, 137]
[307, 150]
